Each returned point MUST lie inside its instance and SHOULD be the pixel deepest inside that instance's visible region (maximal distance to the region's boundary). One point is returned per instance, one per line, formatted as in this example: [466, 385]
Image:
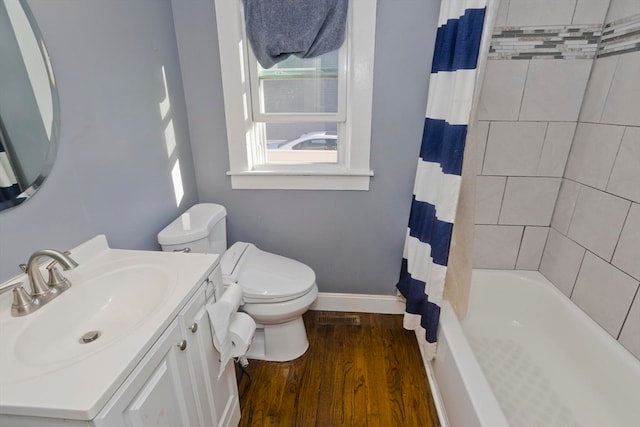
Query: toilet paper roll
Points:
[220, 312]
[241, 331]
[232, 296]
[232, 331]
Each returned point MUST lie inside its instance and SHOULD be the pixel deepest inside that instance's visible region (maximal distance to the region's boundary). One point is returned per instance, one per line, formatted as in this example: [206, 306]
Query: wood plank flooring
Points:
[360, 370]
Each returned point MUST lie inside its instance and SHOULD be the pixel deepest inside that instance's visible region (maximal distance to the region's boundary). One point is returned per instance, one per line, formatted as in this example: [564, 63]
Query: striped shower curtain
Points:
[9, 189]
[437, 184]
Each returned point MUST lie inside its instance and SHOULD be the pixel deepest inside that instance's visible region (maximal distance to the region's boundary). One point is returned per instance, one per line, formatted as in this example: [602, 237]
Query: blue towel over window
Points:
[278, 29]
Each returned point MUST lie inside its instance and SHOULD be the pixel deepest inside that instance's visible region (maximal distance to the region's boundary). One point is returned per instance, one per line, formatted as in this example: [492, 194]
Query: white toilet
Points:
[277, 290]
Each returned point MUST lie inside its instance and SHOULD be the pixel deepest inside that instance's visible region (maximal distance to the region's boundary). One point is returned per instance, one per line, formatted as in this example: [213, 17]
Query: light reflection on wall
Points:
[176, 177]
[170, 141]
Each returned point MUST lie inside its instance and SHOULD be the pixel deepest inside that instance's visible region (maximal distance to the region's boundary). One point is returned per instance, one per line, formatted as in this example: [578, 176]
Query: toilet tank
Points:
[202, 228]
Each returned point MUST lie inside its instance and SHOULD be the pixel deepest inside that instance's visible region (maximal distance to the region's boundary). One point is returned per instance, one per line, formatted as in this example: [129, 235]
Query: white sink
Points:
[129, 297]
[110, 304]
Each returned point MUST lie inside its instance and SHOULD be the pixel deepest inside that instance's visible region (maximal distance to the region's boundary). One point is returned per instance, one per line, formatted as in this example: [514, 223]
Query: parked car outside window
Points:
[307, 141]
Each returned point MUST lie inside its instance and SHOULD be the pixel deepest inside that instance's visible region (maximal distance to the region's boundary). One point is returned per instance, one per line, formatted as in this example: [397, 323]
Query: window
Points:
[303, 123]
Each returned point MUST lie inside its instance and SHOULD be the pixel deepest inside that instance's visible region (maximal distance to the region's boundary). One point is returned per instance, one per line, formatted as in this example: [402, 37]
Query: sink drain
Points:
[90, 336]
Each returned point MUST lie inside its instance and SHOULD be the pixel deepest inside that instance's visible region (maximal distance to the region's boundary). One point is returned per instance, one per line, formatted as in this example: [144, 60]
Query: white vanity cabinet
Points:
[158, 392]
[176, 384]
[217, 399]
[151, 362]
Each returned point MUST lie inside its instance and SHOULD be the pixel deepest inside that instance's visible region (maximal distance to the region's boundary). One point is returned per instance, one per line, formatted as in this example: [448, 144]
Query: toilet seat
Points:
[263, 276]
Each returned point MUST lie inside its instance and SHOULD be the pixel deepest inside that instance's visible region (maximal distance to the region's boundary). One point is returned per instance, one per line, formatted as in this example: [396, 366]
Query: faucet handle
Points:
[10, 287]
[56, 279]
[23, 267]
[23, 303]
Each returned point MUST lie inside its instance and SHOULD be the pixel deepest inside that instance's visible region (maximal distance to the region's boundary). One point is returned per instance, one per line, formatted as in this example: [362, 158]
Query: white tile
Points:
[501, 16]
[540, 12]
[561, 261]
[555, 151]
[554, 89]
[531, 249]
[479, 135]
[502, 90]
[489, 192]
[604, 293]
[598, 88]
[630, 335]
[590, 11]
[598, 220]
[514, 148]
[622, 103]
[593, 153]
[529, 201]
[622, 9]
[625, 177]
[496, 246]
[565, 205]
[627, 254]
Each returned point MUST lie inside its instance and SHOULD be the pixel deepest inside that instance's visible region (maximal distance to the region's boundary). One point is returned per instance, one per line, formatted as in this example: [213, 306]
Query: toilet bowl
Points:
[277, 290]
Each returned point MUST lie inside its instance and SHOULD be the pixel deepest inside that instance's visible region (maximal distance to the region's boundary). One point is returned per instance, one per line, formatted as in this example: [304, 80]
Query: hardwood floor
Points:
[360, 370]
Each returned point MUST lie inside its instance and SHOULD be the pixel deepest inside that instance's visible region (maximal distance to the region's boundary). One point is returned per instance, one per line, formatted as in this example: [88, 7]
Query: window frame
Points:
[245, 137]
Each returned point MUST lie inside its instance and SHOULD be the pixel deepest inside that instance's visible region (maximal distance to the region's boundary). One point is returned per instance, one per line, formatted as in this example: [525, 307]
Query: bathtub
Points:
[525, 355]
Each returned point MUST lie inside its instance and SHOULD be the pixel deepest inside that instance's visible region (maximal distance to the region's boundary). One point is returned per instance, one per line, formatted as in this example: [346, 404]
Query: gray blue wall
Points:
[112, 172]
[353, 240]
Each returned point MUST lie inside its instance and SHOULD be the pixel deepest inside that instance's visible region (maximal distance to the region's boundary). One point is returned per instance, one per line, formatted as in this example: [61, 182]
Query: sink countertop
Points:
[79, 387]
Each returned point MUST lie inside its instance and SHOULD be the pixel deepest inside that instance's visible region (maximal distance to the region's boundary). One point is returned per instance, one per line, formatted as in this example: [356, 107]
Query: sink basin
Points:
[120, 302]
[111, 304]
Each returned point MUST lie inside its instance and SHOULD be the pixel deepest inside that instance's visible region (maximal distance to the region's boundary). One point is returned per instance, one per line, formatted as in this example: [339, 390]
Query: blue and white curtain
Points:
[9, 189]
[437, 185]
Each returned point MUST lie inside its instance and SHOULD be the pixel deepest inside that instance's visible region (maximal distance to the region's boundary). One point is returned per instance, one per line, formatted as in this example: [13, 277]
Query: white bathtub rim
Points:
[435, 391]
[485, 404]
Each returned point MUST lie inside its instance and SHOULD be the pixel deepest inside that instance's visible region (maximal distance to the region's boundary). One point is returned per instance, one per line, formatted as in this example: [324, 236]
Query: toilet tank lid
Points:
[196, 223]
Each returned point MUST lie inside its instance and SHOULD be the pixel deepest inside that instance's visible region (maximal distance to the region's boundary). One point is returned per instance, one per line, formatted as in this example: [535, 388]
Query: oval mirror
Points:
[28, 105]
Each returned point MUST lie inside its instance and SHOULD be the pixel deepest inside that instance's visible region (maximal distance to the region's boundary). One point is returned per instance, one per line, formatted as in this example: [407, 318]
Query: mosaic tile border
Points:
[567, 41]
[620, 36]
[557, 42]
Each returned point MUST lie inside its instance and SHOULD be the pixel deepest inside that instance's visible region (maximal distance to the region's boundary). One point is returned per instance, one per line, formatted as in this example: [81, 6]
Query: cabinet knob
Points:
[193, 328]
[182, 345]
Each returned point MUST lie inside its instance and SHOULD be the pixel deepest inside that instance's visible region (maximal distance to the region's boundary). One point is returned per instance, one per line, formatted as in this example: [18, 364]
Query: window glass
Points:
[299, 85]
[289, 143]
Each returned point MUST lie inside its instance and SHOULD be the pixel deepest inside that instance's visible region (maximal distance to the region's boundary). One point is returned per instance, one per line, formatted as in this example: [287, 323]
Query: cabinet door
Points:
[158, 392]
[217, 399]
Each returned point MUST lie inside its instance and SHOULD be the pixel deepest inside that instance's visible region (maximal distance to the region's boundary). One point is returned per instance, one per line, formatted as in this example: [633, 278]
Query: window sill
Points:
[296, 180]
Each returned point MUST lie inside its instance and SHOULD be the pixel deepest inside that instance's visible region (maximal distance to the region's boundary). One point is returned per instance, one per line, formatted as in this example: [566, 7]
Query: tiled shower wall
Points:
[559, 182]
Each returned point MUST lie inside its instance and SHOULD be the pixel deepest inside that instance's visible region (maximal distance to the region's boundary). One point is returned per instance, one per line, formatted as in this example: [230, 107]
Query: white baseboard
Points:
[359, 303]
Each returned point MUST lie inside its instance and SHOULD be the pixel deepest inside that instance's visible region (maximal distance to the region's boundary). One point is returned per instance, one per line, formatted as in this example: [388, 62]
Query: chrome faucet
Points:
[57, 284]
[41, 292]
